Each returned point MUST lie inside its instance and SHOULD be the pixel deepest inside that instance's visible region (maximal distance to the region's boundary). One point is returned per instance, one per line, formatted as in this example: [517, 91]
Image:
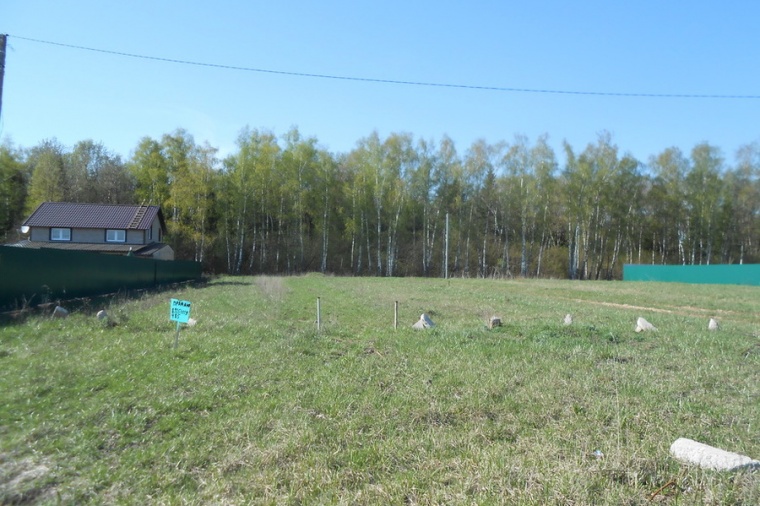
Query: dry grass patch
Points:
[272, 287]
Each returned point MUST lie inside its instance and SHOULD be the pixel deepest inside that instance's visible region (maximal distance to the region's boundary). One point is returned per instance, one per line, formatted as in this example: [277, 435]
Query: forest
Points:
[404, 206]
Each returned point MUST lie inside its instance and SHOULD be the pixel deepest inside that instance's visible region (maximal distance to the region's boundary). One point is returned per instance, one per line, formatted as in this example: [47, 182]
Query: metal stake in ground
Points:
[319, 315]
[176, 336]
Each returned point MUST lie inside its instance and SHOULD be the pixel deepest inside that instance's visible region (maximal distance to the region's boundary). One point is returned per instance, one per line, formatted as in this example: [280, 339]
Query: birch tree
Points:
[745, 183]
[194, 196]
[451, 199]
[667, 207]
[97, 175]
[400, 160]
[424, 207]
[520, 193]
[150, 170]
[546, 201]
[480, 180]
[12, 189]
[249, 203]
[48, 182]
[299, 168]
[328, 200]
[588, 178]
[703, 193]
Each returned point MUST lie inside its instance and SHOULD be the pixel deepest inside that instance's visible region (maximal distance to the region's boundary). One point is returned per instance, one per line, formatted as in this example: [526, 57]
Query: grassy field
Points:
[255, 406]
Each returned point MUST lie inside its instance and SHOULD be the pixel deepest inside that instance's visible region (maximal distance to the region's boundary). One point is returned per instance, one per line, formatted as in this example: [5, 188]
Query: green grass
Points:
[256, 406]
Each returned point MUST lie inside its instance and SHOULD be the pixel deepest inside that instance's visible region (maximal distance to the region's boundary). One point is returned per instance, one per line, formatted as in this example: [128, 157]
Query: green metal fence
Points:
[34, 276]
[747, 274]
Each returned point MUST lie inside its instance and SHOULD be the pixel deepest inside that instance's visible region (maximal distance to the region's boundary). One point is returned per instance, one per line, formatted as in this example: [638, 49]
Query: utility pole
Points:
[446, 253]
[3, 37]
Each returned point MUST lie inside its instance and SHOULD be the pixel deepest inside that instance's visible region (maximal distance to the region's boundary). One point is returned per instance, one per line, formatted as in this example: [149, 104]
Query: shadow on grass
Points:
[91, 305]
[227, 283]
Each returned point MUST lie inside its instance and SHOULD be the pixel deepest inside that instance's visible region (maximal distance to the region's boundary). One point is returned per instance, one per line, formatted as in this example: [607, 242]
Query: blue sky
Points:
[643, 47]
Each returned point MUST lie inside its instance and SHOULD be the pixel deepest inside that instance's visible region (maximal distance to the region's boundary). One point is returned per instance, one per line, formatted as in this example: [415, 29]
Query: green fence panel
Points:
[177, 271]
[35, 276]
[733, 274]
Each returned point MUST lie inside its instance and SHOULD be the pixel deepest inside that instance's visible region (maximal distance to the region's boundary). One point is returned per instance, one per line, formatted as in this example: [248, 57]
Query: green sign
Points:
[179, 311]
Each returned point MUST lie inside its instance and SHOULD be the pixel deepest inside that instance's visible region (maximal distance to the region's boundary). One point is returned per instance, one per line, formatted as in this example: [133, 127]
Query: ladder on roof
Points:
[137, 218]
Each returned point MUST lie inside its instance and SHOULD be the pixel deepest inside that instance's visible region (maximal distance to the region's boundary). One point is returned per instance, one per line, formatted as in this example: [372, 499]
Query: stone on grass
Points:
[60, 312]
[191, 322]
[494, 322]
[642, 325]
[568, 319]
[105, 318]
[709, 457]
[424, 322]
[713, 324]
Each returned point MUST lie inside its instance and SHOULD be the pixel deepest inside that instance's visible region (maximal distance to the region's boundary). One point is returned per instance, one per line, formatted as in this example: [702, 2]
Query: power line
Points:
[396, 81]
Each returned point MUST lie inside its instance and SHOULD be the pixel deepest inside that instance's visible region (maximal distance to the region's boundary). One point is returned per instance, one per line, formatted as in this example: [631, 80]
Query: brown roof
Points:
[76, 215]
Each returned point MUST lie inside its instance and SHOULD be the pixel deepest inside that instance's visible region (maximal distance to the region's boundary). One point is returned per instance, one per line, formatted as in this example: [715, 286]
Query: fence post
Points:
[319, 315]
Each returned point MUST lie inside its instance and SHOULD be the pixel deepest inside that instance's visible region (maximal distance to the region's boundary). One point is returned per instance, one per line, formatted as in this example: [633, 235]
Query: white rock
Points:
[494, 322]
[709, 457]
[191, 322]
[60, 312]
[424, 322]
[643, 325]
[102, 315]
[568, 319]
[713, 324]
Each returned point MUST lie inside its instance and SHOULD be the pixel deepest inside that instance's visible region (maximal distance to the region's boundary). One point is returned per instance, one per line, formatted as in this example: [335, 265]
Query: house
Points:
[104, 228]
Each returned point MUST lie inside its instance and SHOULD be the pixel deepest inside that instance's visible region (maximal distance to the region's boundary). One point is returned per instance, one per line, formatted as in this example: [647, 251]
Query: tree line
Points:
[400, 206]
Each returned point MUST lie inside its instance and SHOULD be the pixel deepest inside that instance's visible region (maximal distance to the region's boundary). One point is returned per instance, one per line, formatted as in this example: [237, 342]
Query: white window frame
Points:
[60, 234]
[116, 235]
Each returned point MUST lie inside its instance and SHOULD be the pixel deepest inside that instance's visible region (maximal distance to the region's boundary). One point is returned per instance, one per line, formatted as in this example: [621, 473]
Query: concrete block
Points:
[643, 325]
[60, 312]
[709, 457]
[424, 322]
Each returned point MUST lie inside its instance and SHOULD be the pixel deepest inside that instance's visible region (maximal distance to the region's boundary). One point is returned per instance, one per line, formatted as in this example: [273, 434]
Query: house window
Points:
[116, 235]
[60, 234]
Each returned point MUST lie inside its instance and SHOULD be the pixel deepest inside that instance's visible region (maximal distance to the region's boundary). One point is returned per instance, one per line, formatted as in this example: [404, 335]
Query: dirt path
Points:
[677, 310]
